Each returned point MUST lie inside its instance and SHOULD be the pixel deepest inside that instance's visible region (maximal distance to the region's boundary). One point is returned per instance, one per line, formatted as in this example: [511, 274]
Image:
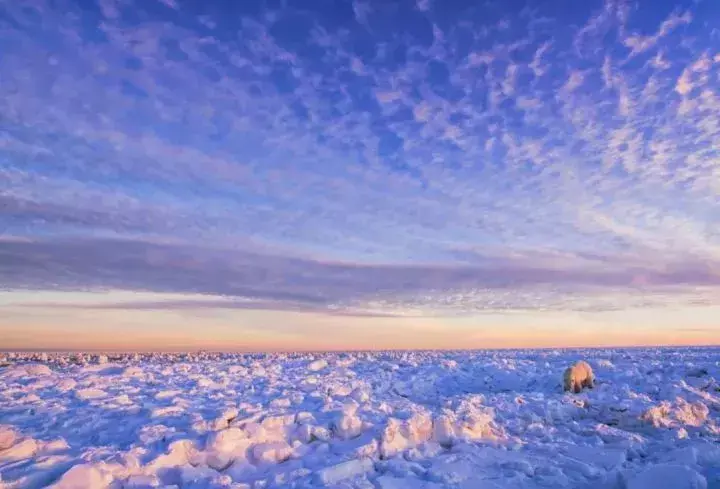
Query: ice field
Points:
[382, 420]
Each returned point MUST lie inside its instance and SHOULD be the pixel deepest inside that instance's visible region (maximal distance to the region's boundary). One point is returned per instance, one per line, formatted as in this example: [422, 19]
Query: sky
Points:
[335, 174]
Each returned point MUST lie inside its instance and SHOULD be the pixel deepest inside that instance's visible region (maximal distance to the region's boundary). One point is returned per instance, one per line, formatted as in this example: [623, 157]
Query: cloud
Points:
[537, 65]
[639, 44]
[357, 159]
[574, 81]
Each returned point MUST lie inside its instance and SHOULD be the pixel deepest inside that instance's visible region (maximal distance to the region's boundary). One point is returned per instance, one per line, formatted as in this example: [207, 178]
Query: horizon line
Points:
[365, 350]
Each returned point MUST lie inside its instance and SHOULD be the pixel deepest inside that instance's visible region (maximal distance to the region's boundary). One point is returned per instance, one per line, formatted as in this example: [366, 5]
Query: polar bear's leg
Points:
[589, 380]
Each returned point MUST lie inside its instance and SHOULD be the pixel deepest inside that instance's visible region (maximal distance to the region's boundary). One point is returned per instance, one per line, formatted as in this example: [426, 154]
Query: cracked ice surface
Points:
[385, 420]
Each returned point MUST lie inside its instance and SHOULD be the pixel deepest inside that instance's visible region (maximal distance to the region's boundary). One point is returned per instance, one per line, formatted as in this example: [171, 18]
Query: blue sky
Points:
[444, 161]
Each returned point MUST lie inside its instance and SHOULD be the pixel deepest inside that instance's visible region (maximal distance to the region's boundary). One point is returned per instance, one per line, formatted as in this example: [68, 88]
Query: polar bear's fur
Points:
[578, 376]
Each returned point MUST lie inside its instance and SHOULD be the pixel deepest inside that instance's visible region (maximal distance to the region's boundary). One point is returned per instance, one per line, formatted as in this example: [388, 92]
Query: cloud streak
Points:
[252, 280]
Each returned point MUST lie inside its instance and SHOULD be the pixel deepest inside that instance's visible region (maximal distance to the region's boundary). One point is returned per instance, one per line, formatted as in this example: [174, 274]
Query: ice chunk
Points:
[8, 437]
[192, 475]
[410, 482]
[686, 455]
[179, 454]
[222, 421]
[692, 414]
[83, 476]
[167, 411]
[274, 423]
[271, 452]
[317, 365]
[480, 483]
[304, 433]
[227, 446]
[88, 394]
[390, 482]
[37, 369]
[238, 370]
[418, 428]
[347, 426]
[673, 415]
[132, 372]
[346, 470]
[606, 458]
[360, 395]
[19, 451]
[341, 390]
[141, 482]
[667, 477]
[281, 402]
[166, 394]
[478, 425]
[443, 431]
[321, 433]
[57, 445]
[227, 440]
[66, 385]
[123, 400]
[304, 417]
[365, 446]
[402, 435]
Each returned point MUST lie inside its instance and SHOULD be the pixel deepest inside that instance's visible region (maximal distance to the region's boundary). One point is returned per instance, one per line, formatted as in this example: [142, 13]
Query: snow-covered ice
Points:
[382, 420]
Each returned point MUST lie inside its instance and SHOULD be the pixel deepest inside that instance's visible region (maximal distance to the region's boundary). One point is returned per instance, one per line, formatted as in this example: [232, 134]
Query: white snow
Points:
[384, 420]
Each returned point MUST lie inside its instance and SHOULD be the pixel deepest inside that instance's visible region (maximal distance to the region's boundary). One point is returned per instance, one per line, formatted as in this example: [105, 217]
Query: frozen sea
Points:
[381, 420]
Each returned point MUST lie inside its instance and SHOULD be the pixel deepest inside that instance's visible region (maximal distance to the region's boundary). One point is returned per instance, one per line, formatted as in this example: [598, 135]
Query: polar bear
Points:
[578, 376]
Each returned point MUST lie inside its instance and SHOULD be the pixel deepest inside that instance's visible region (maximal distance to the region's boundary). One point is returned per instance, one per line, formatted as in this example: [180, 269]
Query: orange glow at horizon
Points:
[58, 328]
